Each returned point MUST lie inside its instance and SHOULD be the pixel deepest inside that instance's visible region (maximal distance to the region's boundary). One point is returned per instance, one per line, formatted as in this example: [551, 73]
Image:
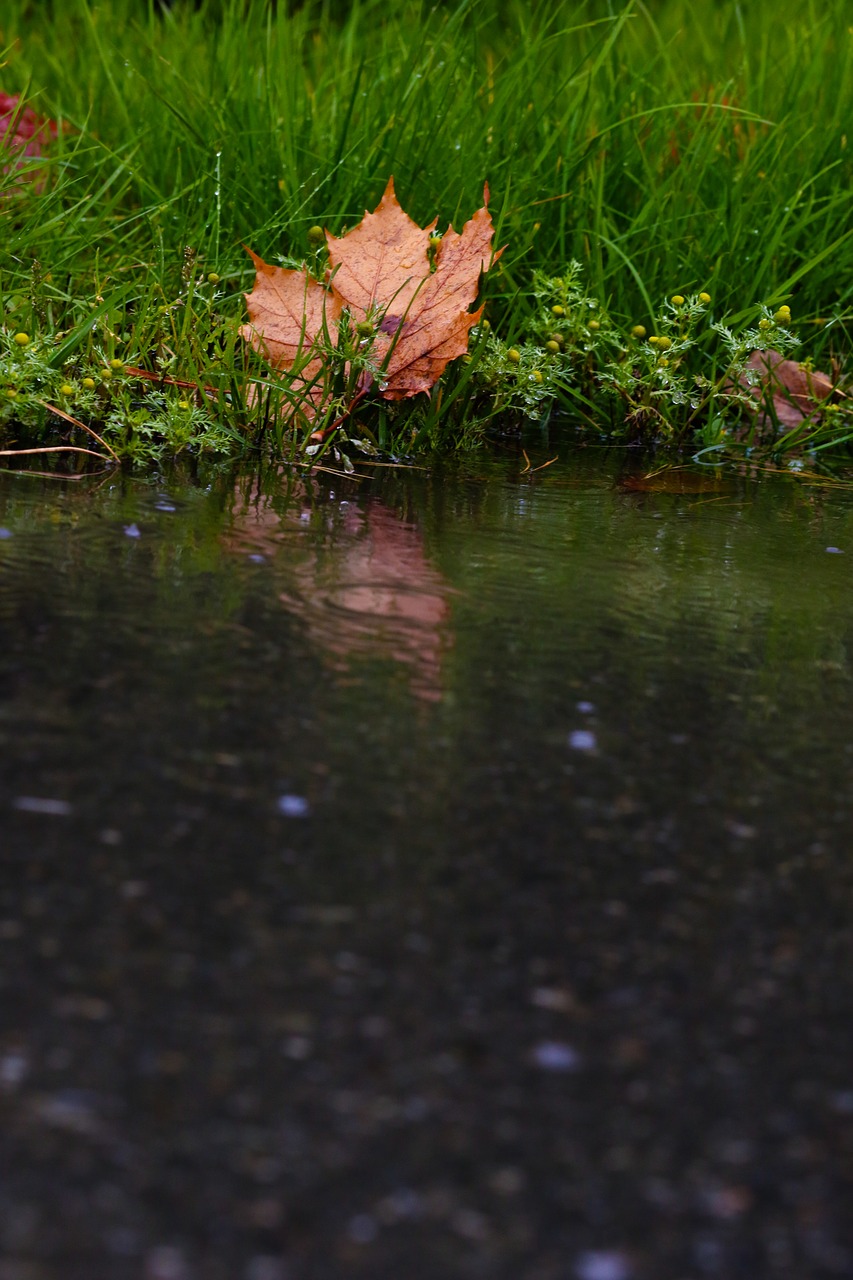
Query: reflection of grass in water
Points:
[666, 152]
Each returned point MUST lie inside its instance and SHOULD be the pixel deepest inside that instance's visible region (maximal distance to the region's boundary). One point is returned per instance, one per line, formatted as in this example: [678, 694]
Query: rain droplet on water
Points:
[293, 806]
[601, 1265]
[553, 1055]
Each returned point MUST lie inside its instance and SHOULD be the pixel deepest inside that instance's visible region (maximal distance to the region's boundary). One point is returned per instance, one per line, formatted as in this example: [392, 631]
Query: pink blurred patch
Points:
[23, 132]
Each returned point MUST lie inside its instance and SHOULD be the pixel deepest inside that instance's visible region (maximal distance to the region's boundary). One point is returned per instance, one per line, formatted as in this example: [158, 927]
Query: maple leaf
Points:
[381, 272]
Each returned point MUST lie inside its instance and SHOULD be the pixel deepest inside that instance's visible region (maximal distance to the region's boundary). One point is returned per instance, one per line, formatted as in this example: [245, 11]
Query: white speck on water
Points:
[741, 830]
[470, 1224]
[132, 531]
[5, 533]
[293, 806]
[401, 1204]
[297, 1048]
[131, 890]
[553, 1055]
[556, 999]
[70, 1110]
[123, 1242]
[660, 875]
[835, 551]
[164, 506]
[362, 1229]
[415, 1109]
[265, 1267]
[583, 740]
[42, 804]
[13, 1068]
[598, 1265]
[586, 708]
[165, 1263]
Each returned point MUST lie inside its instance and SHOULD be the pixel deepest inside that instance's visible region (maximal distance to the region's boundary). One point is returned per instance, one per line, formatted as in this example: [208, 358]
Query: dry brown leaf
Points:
[381, 273]
[794, 391]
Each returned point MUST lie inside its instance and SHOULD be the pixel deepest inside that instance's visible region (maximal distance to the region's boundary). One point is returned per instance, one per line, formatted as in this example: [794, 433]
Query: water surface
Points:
[431, 875]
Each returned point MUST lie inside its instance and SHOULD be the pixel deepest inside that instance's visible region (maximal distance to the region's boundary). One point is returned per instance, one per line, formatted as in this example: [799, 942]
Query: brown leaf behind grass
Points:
[790, 391]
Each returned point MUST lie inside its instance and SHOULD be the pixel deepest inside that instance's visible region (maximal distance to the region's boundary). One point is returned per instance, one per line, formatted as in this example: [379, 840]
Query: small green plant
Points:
[690, 381]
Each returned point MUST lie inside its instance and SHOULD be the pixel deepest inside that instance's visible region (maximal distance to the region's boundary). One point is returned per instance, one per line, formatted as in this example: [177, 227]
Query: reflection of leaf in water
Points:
[364, 586]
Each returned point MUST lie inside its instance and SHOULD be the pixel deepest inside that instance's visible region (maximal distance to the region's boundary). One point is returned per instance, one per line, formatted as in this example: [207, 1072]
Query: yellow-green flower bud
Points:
[66, 389]
[654, 339]
[664, 344]
[22, 339]
[677, 300]
[536, 376]
[212, 278]
[183, 404]
[783, 316]
[11, 393]
[594, 324]
[89, 384]
[434, 242]
[638, 331]
[316, 235]
[704, 298]
[364, 328]
[513, 355]
[116, 364]
[552, 346]
[765, 324]
[558, 310]
[106, 374]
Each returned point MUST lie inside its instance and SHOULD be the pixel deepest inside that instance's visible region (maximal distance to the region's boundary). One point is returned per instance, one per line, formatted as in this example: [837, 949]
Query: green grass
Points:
[667, 147]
